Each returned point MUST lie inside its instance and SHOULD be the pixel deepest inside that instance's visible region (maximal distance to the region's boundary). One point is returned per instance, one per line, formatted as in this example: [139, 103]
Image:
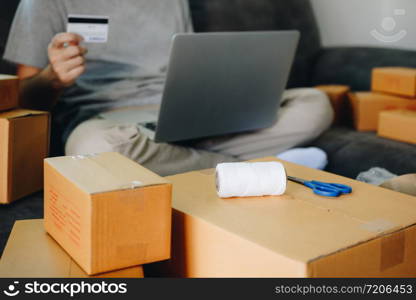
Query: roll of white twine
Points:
[251, 179]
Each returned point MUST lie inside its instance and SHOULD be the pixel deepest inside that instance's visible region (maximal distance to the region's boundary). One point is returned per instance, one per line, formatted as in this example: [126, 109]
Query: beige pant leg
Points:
[98, 136]
[305, 114]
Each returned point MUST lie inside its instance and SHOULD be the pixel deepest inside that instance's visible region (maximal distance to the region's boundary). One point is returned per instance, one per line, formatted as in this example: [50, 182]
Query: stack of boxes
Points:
[107, 212]
[390, 107]
[106, 216]
[24, 143]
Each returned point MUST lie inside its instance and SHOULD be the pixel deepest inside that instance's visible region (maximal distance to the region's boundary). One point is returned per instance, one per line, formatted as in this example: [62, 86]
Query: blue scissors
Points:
[324, 189]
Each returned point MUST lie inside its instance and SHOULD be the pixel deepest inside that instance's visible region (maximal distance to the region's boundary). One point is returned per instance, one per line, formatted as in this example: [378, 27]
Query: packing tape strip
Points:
[132, 185]
[392, 246]
[81, 157]
[379, 226]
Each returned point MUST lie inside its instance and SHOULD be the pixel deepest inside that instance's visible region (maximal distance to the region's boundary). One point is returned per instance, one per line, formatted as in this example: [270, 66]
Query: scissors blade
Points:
[297, 180]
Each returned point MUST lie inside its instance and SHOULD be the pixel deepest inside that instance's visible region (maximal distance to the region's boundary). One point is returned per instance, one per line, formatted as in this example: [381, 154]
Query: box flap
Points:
[8, 77]
[20, 113]
[397, 71]
[104, 172]
[299, 225]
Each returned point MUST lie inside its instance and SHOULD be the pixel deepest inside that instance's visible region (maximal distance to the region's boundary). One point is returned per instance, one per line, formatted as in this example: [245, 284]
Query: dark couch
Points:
[350, 152]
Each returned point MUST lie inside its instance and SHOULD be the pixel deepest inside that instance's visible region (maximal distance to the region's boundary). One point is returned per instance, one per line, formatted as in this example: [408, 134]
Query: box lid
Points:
[105, 172]
[397, 70]
[31, 252]
[20, 113]
[299, 225]
[391, 100]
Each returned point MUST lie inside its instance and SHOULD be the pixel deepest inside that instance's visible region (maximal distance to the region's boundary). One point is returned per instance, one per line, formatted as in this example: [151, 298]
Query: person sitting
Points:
[79, 83]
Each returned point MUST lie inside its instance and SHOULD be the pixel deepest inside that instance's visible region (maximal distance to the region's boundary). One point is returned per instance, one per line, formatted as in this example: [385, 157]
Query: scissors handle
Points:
[344, 189]
[325, 192]
[328, 189]
[323, 188]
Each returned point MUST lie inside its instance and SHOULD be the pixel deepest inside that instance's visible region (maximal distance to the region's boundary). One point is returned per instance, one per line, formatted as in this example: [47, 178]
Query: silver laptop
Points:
[218, 84]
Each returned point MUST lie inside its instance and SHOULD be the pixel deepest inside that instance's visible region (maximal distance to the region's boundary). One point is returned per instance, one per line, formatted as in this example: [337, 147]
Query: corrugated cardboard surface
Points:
[338, 95]
[395, 80]
[9, 92]
[32, 253]
[398, 125]
[113, 170]
[98, 212]
[67, 213]
[282, 236]
[24, 143]
[367, 107]
[393, 255]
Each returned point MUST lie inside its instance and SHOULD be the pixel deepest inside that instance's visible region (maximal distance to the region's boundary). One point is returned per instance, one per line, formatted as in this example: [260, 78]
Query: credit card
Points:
[94, 29]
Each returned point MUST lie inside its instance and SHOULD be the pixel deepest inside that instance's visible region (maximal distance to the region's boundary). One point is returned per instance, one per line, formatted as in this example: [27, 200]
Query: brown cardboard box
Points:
[32, 253]
[9, 92]
[370, 233]
[107, 211]
[398, 125]
[367, 106]
[395, 80]
[24, 143]
[338, 95]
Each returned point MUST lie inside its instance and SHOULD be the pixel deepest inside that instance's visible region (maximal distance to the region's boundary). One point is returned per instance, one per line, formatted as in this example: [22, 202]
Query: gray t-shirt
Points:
[128, 70]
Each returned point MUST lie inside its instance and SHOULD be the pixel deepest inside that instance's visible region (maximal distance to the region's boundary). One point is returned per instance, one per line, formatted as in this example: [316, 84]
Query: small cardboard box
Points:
[9, 92]
[31, 253]
[107, 211]
[24, 144]
[398, 125]
[338, 95]
[395, 80]
[367, 106]
[370, 233]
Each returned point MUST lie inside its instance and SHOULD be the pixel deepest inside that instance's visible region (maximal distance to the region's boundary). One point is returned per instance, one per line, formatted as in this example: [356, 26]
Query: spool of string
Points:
[251, 179]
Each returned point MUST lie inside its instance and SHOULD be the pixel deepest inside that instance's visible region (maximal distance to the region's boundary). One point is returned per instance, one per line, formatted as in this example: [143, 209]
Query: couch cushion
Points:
[252, 15]
[352, 65]
[351, 152]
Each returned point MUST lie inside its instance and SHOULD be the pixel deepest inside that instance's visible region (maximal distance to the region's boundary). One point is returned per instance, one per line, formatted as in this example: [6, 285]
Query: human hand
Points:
[67, 59]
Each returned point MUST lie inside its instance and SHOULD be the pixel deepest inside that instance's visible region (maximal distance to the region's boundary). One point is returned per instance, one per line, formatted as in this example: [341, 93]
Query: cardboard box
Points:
[370, 233]
[31, 253]
[107, 211]
[395, 80]
[338, 95]
[367, 106]
[24, 143]
[398, 125]
[9, 92]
